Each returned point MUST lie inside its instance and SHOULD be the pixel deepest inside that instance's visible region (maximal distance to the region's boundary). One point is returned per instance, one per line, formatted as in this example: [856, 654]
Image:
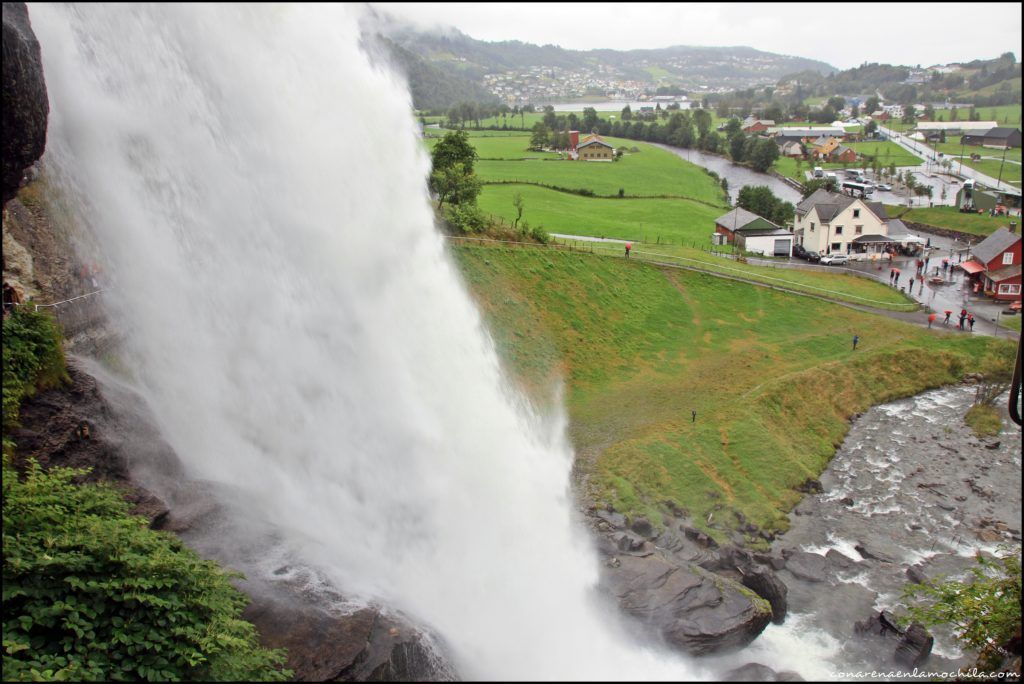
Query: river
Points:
[913, 486]
[738, 176]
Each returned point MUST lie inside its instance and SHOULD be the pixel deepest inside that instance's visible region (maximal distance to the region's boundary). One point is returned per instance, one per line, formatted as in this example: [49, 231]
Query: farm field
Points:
[649, 172]
[951, 219]
[502, 147]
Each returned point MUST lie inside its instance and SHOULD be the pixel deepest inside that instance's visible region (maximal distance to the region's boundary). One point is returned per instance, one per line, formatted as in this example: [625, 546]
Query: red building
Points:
[996, 264]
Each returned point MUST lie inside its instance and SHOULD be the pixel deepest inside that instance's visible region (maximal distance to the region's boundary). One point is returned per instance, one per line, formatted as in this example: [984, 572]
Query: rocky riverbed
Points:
[911, 494]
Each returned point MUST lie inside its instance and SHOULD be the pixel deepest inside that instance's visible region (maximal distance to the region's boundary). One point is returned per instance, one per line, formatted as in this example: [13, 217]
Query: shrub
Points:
[466, 218]
[90, 593]
[32, 357]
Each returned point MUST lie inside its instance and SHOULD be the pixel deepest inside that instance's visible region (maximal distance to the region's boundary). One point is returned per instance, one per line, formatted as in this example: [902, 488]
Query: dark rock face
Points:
[363, 646]
[765, 584]
[693, 610]
[74, 427]
[915, 646]
[26, 107]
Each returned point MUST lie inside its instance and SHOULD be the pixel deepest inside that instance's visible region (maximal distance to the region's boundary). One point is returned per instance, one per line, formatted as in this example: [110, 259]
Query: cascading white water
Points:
[292, 319]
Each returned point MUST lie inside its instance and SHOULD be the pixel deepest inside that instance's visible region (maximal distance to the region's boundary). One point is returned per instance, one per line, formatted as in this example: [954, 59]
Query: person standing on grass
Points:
[629, 246]
[693, 416]
[856, 339]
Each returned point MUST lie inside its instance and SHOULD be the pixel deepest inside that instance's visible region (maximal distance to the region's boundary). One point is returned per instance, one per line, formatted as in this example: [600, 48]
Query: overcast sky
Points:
[844, 34]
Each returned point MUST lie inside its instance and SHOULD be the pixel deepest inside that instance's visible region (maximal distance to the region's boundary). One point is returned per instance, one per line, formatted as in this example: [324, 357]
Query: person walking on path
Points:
[892, 275]
[931, 319]
[910, 286]
[629, 246]
[855, 341]
[948, 312]
[970, 321]
[963, 317]
[897, 276]
[693, 416]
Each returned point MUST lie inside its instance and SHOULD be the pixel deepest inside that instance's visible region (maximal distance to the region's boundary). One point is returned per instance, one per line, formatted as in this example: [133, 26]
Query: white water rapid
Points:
[292, 319]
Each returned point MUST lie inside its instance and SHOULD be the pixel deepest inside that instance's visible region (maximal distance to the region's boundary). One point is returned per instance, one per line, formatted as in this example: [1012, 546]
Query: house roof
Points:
[807, 132]
[994, 245]
[830, 204]
[971, 267]
[741, 218]
[1005, 273]
[1001, 132]
[767, 233]
[841, 149]
[592, 140]
[874, 237]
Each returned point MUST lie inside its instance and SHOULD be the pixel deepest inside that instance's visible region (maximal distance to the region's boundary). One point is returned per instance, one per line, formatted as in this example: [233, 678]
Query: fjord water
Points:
[257, 189]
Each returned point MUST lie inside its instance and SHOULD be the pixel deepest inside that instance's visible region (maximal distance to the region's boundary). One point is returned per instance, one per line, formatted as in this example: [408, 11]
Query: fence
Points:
[78, 314]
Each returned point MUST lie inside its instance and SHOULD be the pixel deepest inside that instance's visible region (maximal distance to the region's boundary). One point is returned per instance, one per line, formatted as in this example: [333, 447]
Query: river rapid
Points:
[913, 487]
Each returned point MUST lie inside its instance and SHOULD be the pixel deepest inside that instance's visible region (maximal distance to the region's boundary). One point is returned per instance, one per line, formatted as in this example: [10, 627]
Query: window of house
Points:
[1007, 258]
[1009, 289]
[857, 230]
[839, 230]
[837, 246]
[856, 213]
[812, 226]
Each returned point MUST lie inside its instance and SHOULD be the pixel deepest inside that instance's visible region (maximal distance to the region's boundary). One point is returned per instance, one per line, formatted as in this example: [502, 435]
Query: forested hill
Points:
[443, 67]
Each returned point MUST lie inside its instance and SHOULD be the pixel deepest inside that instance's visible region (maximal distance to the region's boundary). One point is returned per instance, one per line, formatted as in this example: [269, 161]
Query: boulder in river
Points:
[694, 610]
[768, 586]
[915, 646]
[806, 566]
[756, 672]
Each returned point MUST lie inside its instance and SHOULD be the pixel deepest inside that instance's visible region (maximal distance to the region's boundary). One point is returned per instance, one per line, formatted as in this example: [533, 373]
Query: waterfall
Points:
[257, 186]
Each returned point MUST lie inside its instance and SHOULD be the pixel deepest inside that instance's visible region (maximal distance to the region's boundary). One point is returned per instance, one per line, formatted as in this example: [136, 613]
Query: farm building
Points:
[593, 148]
[995, 265]
[999, 138]
[753, 233]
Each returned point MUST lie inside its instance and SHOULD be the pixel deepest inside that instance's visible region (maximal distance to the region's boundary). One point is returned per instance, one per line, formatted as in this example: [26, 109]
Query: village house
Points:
[995, 264]
[807, 135]
[753, 233]
[752, 125]
[791, 148]
[828, 222]
[593, 148]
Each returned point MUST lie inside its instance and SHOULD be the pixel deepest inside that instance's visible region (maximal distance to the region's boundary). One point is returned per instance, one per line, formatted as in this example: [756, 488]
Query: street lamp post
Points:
[999, 180]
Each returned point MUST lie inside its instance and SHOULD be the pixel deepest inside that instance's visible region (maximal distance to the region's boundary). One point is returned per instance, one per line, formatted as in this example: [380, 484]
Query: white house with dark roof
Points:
[827, 222]
[753, 233]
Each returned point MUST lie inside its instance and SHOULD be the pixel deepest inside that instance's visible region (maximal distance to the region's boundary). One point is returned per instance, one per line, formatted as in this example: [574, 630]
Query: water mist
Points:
[291, 317]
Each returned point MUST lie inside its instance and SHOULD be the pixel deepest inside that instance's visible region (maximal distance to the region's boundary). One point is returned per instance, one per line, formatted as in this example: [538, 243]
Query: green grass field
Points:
[649, 172]
[952, 219]
[770, 375]
[502, 147]
[628, 219]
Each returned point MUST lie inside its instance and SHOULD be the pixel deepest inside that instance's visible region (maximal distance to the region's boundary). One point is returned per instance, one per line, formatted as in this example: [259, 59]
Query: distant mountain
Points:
[444, 64]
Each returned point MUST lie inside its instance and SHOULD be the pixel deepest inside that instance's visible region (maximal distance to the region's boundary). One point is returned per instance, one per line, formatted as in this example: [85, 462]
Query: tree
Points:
[702, 118]
[589, 119]
[517, 204]
[870, 128]
[456, 184]
[732, 127]
[627, 113]
[550, 118]
[985, 613]
[540, 137]
[760, 200]
[836, 103]
[765, 154]
[929, 112]
[954, 113]
[454, 148]
[872, 105]
[737, 146]
[814, 184]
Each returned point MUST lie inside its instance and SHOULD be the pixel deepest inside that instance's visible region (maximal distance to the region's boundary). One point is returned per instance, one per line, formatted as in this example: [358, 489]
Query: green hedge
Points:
[90, 593]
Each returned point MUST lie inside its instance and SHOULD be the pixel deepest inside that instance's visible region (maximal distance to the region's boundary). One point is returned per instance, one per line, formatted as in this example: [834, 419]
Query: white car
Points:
[835, 259]
[884, 186]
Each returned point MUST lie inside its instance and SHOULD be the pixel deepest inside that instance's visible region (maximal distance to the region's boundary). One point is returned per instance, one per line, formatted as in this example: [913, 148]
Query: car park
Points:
[835, 259]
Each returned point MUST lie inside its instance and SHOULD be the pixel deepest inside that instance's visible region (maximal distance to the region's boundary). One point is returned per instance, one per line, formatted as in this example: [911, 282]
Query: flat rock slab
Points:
[806, 566]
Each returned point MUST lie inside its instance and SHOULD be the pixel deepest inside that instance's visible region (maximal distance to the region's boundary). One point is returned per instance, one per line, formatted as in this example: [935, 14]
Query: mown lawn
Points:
[771, 376]
[952, 219]
[649, 172]
[502, 147]
[627, 219]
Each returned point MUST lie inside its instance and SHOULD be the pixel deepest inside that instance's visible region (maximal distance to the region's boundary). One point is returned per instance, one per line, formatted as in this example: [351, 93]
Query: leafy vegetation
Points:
[92, 594]
[32, 356]
[985, 613]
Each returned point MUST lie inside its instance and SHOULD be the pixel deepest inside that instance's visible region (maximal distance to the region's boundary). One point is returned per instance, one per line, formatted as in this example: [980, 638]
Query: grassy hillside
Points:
[951, 218]
[771, 376]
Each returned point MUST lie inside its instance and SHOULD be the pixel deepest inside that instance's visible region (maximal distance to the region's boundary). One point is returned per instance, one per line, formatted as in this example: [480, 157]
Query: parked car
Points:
[799, 251]
[813, 257]
[884, 186]
[834, 259]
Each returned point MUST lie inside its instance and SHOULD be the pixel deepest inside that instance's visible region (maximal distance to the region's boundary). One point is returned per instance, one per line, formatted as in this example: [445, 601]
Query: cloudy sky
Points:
[844, 34]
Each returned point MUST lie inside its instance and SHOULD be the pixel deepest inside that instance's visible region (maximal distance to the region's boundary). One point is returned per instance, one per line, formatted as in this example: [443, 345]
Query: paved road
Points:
[930, 154]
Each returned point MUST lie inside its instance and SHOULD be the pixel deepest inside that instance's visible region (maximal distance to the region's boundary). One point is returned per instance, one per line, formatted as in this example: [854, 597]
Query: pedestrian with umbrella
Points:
[931, 319]
[948, 312]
